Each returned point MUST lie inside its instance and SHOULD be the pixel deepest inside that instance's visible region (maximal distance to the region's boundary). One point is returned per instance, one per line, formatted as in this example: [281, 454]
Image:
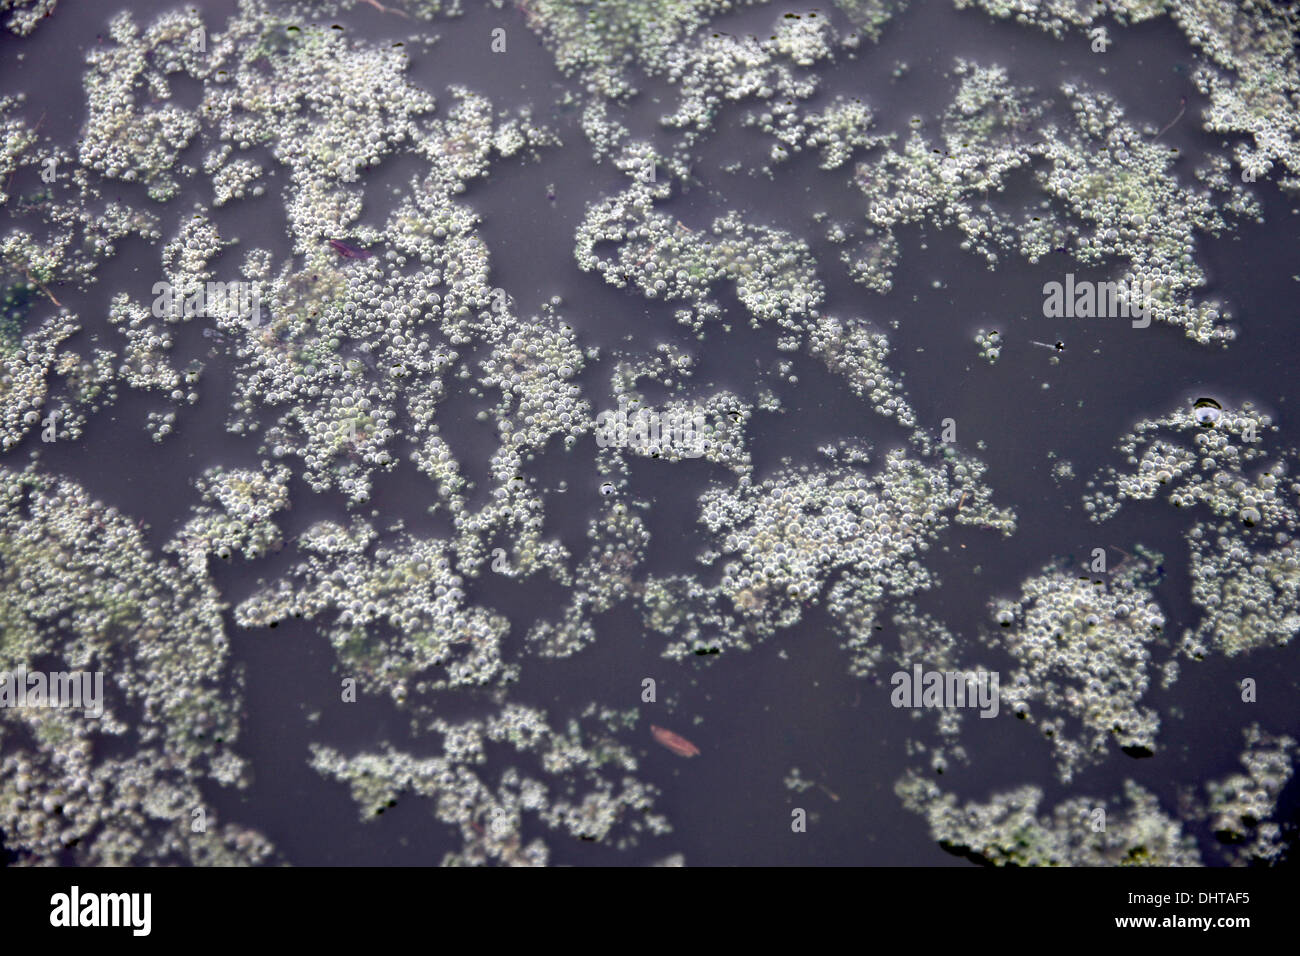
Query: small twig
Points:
[529, 16]
[962, 502]
[28, 276]
[1172, 121]
[38, 285]
[825, 789]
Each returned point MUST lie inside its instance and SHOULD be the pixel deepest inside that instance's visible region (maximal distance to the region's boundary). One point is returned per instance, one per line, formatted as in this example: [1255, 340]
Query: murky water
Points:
[1045, 420]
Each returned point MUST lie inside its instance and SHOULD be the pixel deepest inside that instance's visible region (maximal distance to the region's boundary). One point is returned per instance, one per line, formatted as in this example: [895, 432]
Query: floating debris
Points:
[675, 742]
[348, 251]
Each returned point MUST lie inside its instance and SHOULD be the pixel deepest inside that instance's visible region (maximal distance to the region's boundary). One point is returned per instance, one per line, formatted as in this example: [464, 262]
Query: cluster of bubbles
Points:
[858, 354]
[990, 344]
[83, 592]
[240, 523]
[1083, 648]
[1215, 463]
[1009, 830]
[393, 613]
[1239, 806]
[26, 15]
[1247, 83]
[578, 782]
[773, 272]
[783, 539]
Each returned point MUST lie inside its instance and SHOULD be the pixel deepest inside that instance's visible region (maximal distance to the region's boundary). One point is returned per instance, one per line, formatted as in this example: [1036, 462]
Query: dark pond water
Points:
[790, 701]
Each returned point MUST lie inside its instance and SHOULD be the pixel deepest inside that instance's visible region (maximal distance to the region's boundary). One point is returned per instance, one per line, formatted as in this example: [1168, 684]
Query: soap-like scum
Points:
[382, 314]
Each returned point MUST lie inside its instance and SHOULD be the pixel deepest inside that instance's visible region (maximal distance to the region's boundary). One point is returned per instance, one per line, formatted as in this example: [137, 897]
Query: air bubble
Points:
[1207, 412]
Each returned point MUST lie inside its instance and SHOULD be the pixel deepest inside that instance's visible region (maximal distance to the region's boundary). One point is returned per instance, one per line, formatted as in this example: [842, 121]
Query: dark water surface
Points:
[788, 702]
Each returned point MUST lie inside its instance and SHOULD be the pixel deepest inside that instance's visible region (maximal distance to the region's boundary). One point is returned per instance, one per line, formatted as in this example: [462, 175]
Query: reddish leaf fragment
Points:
[349, 252]
[675, 742]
